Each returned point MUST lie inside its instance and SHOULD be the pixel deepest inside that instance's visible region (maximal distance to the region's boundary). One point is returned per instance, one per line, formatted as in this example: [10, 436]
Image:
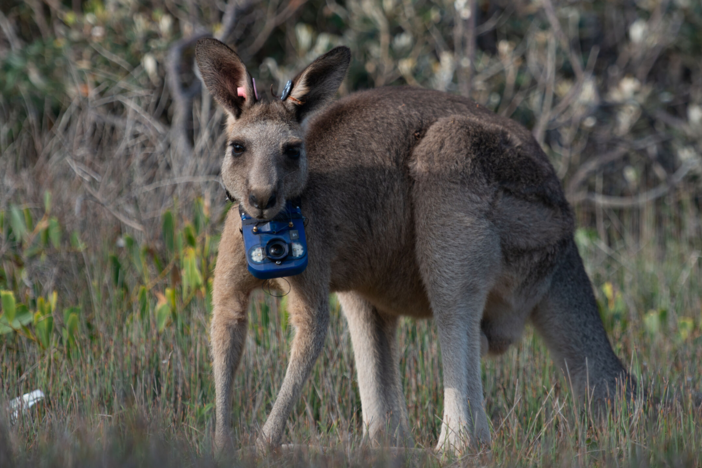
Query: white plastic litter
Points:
[24, 402]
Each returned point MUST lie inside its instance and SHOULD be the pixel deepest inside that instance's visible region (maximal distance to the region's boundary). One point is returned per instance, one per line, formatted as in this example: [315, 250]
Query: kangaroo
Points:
[419, 203]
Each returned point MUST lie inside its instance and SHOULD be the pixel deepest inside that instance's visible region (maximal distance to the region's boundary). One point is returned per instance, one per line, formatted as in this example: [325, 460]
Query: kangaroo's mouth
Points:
[265, 214]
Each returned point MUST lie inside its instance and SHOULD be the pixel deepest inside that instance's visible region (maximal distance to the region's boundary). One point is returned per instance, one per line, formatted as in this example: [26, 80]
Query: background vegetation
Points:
[110, 212]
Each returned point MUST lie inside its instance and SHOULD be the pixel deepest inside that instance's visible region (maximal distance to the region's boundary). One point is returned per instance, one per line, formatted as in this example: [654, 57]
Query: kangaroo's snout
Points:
[263, 198]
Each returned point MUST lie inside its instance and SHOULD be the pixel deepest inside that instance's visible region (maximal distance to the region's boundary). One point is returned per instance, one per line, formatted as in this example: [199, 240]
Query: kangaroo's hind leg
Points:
[459, 257]
[568, 320]
[377, 365]
[457, 288]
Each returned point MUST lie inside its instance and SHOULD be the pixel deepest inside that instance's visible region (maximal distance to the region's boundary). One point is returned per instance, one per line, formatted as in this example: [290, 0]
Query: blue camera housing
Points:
[277, 247]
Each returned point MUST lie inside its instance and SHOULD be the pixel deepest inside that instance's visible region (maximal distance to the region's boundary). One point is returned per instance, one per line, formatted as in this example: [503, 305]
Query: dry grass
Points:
[131, 392]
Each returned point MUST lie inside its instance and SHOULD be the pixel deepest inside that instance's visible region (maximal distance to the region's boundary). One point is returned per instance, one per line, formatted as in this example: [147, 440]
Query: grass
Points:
[131, 384]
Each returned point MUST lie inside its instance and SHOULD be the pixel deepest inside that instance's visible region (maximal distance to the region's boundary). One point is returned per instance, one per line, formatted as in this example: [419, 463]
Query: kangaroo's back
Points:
[388, 122]
[367, 150]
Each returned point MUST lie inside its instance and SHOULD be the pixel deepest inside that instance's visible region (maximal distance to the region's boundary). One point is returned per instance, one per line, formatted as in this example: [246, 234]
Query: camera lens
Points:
[277, 249]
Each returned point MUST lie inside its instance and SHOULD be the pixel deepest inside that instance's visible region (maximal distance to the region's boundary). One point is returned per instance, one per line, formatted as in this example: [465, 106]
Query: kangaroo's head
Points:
[265, 163]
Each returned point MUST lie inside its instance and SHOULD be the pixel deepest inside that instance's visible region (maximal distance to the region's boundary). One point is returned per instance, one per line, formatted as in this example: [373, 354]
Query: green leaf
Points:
[72, 325]
[584, 238]
[143, 253]
[53, 299]
[199, 215]
[35, 248]
[28, 219]
[284, 314]
[652, 323]
[47, 202]
[143, 302]
[192, 278]
[43, 306]
[44, 325]
[115, 268]
[200, 218]
[163, 313]
[134, 252]
[190, 236]
[685, 327]
[206, 247]
[4, 327]
[171, 298]
[23, 316]
[19, 228]
[265, 315]
[70, 18]
[44, 235]
[179, 243]
[76, 243]
[168, 231]
[155, 259]
[208, 295]
[8, 305]
[54, 232]
[68, 311]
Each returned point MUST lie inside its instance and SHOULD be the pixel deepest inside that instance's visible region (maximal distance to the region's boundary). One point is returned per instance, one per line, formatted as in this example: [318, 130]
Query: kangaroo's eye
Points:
[237, 148]
[293, 152]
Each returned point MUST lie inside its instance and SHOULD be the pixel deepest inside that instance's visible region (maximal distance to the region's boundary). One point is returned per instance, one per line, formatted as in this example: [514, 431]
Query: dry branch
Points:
[596, 163]
[80, 172]
[9, 32]
[642, 198]
[271, 24]
[465, 31]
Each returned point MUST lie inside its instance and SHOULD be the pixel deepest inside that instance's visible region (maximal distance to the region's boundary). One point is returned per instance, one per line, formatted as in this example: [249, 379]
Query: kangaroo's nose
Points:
[262, 199]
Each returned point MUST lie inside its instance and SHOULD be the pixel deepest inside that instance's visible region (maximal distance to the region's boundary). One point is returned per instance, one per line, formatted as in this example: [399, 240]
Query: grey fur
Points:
[419, 203]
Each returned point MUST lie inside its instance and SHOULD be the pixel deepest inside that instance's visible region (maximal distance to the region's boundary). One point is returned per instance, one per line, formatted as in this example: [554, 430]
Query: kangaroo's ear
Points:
[317, 84]
[225, 75]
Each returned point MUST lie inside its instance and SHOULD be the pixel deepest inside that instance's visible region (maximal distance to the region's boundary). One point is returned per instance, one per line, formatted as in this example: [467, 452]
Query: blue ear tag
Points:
[277, 247]
[286, 91]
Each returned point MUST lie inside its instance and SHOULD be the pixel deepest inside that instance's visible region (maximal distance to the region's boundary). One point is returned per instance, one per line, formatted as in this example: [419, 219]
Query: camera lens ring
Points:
[277, 249]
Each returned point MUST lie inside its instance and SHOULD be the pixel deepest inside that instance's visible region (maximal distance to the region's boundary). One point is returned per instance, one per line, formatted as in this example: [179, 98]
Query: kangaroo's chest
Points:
[392, 283]
[374, 253]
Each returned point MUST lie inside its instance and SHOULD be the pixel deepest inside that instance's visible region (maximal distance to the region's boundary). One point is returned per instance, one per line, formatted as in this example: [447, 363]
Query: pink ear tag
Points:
[241, 91]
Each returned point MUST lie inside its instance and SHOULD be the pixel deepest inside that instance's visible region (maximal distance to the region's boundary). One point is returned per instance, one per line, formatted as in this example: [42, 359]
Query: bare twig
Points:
[565, 43]
[545, 114]
[176, 181]
[231, 15]
[641, 199]
[574, 91]
[594, 164]
[111, 57]
[99, 199]
[465, 30]
[497, 18]
[581, 75]
[40, 18]
[470, 48]
[9, 32]
[271, 24]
